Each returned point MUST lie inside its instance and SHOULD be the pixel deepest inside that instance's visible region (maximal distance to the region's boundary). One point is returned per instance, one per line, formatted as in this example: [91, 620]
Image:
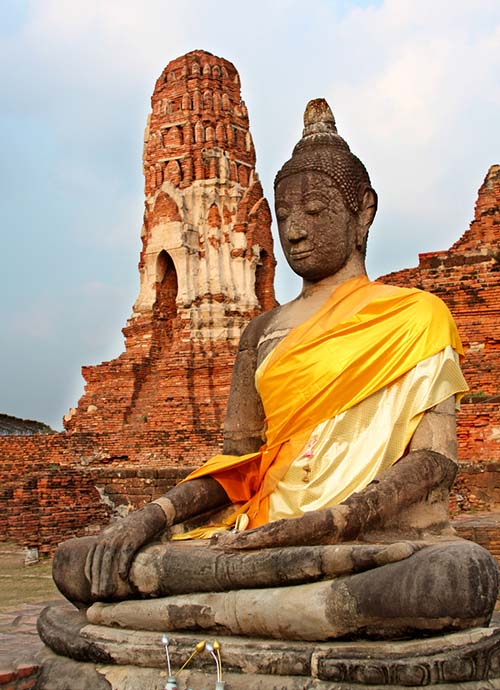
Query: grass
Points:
[22, 584]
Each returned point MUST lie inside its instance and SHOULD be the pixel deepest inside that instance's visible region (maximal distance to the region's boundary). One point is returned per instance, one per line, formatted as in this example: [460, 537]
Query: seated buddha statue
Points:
[339, 453]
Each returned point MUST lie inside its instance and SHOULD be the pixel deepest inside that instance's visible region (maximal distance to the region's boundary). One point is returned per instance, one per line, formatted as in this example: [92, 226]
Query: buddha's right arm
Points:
[114, 549]
[244, 421]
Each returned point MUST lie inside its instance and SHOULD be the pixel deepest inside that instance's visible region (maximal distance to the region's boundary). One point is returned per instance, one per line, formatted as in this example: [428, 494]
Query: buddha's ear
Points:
[368, 207]
[366, 214]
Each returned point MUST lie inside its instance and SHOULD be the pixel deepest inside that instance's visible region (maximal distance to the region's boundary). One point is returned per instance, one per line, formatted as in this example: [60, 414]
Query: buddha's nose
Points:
[296, 232]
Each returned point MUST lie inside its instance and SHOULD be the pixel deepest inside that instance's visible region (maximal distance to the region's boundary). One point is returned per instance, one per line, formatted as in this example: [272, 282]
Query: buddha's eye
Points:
[282, 213]
[313, 206]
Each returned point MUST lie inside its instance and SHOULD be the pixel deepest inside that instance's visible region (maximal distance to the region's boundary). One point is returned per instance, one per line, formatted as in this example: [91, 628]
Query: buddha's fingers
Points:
[108, 575]
[96, 573]
[316, 527]
[125, 557]
[88, 563]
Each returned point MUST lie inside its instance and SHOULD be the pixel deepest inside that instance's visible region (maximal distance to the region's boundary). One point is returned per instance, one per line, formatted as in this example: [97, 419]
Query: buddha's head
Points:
[324, 201]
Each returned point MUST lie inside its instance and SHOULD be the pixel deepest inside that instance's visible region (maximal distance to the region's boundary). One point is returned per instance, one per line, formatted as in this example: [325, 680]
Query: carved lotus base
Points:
[95, 657]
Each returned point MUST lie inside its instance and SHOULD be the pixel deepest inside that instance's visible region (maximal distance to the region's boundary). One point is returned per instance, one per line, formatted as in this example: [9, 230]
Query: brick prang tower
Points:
[206, 267]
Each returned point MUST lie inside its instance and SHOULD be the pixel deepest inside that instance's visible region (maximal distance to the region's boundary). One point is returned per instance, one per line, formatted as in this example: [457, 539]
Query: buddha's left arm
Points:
[429, 464]
[438, 430]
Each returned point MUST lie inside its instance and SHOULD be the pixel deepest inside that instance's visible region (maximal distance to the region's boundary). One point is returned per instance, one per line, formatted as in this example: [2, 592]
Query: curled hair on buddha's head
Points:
[321, 149]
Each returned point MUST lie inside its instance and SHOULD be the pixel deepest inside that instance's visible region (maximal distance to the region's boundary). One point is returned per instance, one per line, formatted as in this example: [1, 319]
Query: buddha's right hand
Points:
[109, 559]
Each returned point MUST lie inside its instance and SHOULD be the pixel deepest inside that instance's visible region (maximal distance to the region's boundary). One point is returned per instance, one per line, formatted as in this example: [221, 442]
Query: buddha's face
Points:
[317, 230]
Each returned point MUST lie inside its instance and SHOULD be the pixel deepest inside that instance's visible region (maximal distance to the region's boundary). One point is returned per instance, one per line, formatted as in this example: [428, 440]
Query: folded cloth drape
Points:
[364, 338]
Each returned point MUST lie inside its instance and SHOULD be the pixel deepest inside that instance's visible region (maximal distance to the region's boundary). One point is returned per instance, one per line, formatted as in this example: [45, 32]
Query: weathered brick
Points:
[467, 278]
[181, 340]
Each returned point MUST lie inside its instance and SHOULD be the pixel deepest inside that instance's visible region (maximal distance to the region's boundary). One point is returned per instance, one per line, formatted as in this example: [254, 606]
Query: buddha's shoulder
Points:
[259, 326]
[415, 297]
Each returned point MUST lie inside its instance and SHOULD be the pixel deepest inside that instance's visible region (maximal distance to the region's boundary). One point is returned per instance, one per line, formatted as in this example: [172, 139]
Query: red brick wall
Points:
[42, 499]
[53, 487]
[180, 394]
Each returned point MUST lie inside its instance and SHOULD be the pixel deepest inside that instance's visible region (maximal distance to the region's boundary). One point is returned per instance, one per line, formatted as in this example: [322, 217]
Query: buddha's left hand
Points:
[408, 482]
[316, 527]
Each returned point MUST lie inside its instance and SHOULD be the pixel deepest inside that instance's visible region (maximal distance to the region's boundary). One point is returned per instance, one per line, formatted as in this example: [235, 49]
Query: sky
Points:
[413, 84]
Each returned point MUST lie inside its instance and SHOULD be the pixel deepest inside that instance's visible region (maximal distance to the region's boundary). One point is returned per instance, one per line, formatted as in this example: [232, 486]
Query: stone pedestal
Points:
[85, 657]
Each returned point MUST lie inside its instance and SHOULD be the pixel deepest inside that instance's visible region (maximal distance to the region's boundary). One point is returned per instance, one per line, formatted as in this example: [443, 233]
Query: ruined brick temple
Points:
[206, 267]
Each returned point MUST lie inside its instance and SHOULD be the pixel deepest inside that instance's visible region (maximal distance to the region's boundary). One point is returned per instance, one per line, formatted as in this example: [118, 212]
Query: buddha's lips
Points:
[300, 254]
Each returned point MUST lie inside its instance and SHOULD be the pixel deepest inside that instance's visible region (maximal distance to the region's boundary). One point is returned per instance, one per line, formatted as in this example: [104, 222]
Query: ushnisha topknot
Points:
[323, 150]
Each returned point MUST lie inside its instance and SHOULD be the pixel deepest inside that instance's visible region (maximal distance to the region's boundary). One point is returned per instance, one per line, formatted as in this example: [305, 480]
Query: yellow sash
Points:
[362, 339]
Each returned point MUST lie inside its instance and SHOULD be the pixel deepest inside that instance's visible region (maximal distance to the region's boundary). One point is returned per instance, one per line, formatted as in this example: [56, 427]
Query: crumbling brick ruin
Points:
[467, 278]
[206, 266]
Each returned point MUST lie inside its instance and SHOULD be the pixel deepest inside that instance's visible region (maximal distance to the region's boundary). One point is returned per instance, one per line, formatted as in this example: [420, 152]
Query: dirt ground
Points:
[20, 583]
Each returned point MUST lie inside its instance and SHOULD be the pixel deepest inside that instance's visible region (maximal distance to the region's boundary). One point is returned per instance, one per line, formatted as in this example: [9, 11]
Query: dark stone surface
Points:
[59, 673]
[60, 629]
[441, 587]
